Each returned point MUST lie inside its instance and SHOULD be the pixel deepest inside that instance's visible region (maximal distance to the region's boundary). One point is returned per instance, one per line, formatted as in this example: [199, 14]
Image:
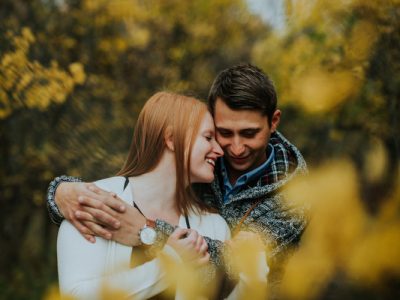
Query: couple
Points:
[258, 161]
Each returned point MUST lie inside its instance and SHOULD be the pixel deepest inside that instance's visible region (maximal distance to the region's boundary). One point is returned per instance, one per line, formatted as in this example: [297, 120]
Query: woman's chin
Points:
[205, 179]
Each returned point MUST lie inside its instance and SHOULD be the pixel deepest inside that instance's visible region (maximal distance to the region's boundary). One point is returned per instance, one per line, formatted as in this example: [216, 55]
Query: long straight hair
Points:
[181, 116]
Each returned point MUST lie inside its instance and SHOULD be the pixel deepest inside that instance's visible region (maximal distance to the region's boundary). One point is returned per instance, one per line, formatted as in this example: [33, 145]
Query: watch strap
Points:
[150, 223]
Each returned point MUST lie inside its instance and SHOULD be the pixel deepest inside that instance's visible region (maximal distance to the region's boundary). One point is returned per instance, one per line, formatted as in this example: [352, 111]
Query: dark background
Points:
[74, 75]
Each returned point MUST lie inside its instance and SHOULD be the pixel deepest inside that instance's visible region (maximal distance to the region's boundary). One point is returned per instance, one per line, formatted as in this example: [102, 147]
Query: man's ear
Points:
[276, 118]
[169, 139]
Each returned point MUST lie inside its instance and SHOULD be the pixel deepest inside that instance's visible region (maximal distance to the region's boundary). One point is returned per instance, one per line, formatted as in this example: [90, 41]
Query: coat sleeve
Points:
[280, 223]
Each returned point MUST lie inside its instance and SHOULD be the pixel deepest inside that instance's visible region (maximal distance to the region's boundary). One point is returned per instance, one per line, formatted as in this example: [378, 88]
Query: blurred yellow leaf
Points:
[319, 91]
[77, 72]
[336, 225]
[376, 161]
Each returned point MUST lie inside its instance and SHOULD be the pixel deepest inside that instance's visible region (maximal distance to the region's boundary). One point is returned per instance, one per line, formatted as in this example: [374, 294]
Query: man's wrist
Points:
[164, 228]
[163, 231]
[55, 214]
[215, 249]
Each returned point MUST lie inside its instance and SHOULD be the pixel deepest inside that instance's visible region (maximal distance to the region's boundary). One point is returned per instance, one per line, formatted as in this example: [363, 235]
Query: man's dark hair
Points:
[244, 87]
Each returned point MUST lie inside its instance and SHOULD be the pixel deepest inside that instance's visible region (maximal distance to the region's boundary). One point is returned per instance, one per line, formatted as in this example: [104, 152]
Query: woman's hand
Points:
[190, 245]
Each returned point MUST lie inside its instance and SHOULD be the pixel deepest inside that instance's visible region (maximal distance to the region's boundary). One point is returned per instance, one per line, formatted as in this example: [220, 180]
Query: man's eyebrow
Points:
[222, 129]
[253, 130]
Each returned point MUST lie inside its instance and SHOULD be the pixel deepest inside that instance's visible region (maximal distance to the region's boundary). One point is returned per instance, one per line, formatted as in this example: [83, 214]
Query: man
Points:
[258, 161]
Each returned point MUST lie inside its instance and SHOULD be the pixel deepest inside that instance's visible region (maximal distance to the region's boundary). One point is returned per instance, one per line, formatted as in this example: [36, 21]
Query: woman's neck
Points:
[155, 192]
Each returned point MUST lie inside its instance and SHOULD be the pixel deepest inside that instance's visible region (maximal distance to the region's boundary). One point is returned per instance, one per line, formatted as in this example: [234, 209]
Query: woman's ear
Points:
[169, 139]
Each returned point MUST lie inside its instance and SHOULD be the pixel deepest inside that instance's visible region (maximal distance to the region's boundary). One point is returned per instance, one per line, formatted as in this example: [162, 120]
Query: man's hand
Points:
[190, 245]
[89, 208]
[131, 223]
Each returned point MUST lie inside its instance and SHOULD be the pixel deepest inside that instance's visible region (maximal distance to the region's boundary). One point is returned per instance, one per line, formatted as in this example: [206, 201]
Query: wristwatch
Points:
[147, 233]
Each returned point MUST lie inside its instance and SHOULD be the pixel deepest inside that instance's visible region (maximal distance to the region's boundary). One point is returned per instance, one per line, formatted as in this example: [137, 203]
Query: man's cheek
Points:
[223, 142]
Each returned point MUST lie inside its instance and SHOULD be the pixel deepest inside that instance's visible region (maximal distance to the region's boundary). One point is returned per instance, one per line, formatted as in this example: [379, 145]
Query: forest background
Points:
[74, 75]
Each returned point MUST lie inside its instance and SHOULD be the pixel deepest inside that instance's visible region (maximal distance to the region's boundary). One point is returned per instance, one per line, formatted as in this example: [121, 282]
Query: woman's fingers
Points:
[199, 242]
[203, 247]
[203, 260]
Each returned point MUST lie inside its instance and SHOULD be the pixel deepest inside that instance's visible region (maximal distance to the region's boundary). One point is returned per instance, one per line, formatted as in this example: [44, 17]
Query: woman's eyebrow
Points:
[211, 131]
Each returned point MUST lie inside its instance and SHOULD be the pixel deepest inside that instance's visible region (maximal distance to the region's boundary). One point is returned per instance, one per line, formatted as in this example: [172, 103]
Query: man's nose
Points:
[237, 147]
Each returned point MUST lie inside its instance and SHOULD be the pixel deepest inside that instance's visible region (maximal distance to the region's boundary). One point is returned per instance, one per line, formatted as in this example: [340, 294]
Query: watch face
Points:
[148, 235]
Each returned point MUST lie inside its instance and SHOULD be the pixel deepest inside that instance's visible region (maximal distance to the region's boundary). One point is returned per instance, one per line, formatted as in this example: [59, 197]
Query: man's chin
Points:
[239, 166]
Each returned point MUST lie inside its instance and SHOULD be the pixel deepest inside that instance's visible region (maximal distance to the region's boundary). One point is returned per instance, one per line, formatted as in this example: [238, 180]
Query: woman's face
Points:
[205, 152]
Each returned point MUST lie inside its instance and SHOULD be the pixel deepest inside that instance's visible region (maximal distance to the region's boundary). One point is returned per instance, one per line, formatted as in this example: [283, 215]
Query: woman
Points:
[173, 146]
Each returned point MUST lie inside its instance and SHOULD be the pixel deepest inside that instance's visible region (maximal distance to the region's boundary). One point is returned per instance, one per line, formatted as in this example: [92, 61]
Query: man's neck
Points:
[234, 174]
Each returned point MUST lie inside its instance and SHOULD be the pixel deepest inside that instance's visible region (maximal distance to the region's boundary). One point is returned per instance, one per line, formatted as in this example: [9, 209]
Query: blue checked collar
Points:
[229, 190]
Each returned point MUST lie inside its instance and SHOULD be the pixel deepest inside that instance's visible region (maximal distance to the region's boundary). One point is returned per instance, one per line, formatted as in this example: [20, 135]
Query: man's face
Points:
[243, 135]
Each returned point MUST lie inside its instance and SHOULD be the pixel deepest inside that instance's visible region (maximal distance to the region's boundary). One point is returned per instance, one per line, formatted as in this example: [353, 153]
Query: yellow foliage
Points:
[127, 9]
[77, 72]
[390, 209]
[376, 161]
[377, 255]
[306, 274]
[244, 255]
[112, 293]
[139, 37]
[315, 257]
[28, 83]
[53, 293]
[303, 13]
[203, 30]
[320, 58]
[185, 277]
[91, 5]
[340, 237]
[28, 35]
[5, 108]
[240, 255]
[318, 90]
[362, 38]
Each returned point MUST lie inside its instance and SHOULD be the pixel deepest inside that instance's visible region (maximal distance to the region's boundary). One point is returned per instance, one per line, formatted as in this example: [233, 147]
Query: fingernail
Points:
[91, 188]
[122, 208]
[80, 198]
[108, 236]
[77, 214]
[117, 224]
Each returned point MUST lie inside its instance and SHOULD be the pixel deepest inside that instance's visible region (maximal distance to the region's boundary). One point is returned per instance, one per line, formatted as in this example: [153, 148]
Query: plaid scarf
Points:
[281, 224]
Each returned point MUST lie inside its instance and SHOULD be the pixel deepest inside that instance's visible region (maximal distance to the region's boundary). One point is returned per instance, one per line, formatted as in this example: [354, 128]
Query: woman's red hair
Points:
[181, 116]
